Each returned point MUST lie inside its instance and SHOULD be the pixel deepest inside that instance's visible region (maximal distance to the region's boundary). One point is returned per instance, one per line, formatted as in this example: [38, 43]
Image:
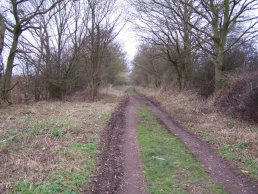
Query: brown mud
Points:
[110, 170]
[119, 169]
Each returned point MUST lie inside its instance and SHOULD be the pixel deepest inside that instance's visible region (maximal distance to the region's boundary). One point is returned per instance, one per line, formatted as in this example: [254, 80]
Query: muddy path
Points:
[133, 181]
[120, 170]
[109, 172]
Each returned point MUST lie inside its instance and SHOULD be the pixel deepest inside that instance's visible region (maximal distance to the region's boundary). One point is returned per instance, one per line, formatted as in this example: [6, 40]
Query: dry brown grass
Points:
[41, 141]
[106, 94]
[236, 140]
[117, 91]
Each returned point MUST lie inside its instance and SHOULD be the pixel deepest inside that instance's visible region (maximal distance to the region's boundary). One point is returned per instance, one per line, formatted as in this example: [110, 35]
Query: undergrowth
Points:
[50, 147]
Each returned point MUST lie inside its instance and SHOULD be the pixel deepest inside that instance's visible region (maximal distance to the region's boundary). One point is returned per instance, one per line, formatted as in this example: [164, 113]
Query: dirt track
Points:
[119, 169]
[110, 170]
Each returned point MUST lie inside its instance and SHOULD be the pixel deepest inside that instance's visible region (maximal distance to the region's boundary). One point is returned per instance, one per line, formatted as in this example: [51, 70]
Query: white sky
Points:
[127, 37]
[129, 42]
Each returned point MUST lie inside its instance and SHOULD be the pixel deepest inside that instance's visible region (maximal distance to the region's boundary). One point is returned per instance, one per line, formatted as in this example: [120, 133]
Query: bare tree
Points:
[65, 46]
[150, 66]
[70, 49]
[114, 69]
[2, 33]
[217, 20]
[102, 24]
[167, 25]
[55, 49]
[23, 13]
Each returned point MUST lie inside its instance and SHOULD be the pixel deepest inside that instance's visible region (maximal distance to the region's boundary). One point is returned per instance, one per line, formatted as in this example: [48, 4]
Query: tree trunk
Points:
[220, 38]
[184, 77]
[2, 34]
[37, 91]
[187, 44]
[179, 81]
[6, 85]
[219, 79]
[93, 90]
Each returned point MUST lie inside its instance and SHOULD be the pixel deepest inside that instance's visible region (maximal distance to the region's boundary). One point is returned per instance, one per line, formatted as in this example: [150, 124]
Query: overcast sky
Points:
[128, 38]
[129, 42]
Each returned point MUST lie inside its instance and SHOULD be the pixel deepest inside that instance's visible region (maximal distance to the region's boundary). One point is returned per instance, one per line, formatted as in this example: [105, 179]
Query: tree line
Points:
[194, 43]
[60, 46]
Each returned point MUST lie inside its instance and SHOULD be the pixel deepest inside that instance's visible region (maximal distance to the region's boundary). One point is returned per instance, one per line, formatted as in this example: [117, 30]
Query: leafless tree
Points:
[150, 66]
[218, 19]
[21, 17]
[56, 45]
[102, 32]
[70, 48]
[166, 23]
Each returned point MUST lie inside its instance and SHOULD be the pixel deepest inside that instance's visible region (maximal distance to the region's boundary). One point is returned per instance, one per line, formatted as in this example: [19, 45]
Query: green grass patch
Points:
[89, 148]
[57, 132]
[252, 167]
[68, 181]
[5, 149]
[53, 126]
[8, 135]
[168, 165]
[231, 124]
[244, 145]
[227, 152]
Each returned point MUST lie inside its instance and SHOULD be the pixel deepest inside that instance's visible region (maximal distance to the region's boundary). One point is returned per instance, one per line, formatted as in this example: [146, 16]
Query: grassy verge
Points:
[50, 147]
[169, 166]
[234, 139]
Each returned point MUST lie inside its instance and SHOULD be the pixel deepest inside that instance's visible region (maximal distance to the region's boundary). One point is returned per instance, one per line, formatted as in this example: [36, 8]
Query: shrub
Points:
[241, 95]
[203, 79]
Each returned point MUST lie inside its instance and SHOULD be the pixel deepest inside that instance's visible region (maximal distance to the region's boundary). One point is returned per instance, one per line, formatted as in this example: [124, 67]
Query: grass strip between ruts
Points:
[169, 167]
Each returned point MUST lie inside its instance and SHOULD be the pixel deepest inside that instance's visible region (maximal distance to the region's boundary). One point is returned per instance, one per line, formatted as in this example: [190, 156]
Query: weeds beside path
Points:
[50, 147]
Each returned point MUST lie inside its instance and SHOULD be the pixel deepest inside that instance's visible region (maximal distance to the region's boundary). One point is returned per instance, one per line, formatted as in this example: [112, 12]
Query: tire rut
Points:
[110, 170]
[119, 167]
[133, 182]
[220, 170]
